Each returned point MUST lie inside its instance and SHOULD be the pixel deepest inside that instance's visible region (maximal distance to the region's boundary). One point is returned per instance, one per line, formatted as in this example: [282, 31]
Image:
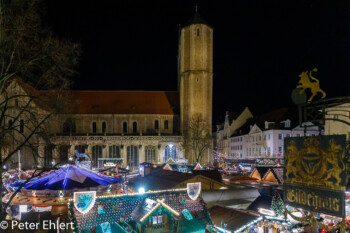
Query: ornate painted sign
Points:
[84, 201]
[315, 173]
[193, 190]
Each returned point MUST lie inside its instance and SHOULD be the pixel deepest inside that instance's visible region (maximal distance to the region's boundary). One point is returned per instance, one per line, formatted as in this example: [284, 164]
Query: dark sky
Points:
[260, 47]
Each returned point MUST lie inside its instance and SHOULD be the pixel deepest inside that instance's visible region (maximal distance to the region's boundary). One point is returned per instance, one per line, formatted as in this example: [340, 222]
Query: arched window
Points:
[150, 154]
[166, 124]
[125, 127]
[48, 156]
[10, 124]
[21, 126]
[104, 127]
[69, 126]
[134, 127]
[64, 153]
[132, 157]
[170, 152]
[197, 31]
[114, 151]
[94, 127]
[80, 148]
[96, 153]
[156, 124]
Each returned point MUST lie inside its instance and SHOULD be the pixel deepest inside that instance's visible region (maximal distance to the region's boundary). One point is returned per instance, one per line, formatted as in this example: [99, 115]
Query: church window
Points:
[170, 152]
[197, 31]
[94, 128]
[48, 156]
[150, 154]
[114, 151]
[64, 153]
[166, 124]
[134, 127]
[156, 124]
[96, 153]
[21, 126]
[132, 157]
[80, 148]
[125, 127]
[69, 126]
[104, 127]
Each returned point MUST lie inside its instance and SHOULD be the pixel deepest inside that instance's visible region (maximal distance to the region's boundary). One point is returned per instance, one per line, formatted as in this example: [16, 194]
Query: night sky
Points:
[260, 47]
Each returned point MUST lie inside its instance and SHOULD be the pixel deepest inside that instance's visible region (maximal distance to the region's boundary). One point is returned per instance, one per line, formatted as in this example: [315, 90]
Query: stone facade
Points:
[196, 70]
[135, 126]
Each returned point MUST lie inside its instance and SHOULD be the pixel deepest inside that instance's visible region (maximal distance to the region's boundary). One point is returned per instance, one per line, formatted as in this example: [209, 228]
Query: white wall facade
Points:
[265, 143]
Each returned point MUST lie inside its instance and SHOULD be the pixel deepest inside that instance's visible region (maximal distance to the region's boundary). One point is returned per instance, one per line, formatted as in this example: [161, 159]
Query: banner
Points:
[315, 173]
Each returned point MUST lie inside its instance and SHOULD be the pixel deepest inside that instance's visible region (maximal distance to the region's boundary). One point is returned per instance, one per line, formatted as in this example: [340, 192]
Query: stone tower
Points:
[196, 71]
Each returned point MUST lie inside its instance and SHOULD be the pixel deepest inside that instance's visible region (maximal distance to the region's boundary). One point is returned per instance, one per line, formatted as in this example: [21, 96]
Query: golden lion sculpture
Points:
[305, 83]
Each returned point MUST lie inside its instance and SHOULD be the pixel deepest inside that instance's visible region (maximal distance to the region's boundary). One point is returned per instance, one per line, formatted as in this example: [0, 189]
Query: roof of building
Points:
[196, 19]
[275, 119]
[160, 179]
[125, 102]
[109, 102]
[260, 202]
[137, 207]
[232, 217]
[278, 172]
[212, 174]
[232, 115]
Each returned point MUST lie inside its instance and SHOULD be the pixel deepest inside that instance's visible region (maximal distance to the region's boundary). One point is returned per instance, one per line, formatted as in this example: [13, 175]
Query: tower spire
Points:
[196, 8]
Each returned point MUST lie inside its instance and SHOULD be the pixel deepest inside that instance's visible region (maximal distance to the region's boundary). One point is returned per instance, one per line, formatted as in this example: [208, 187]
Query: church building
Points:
[137, 126]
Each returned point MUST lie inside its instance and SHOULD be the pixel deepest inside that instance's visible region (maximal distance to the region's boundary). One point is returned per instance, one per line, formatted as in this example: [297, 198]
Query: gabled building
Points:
[233, 121]
[263, 136]
[161, 211]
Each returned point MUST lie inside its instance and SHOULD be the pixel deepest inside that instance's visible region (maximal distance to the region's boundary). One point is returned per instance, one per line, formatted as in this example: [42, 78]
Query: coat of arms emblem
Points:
[193, 190]
[84, 201]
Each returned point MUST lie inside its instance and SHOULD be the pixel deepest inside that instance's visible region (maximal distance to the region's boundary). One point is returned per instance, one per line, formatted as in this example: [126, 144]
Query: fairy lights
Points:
[135, 194]
[168, 207]
[153, 209]
[160, 203]
[266, 212]
[249, 224]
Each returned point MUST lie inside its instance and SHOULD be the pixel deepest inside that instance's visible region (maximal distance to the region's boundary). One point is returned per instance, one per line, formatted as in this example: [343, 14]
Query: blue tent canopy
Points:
[15, 185]
[71, 177]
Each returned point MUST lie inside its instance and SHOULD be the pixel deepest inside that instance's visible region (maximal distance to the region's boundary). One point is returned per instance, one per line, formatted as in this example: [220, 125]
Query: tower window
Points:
[10, 124]
[94, 129]
[125, 127]
[156, 124]
[134, 127]
[197, 31]
[103, 127]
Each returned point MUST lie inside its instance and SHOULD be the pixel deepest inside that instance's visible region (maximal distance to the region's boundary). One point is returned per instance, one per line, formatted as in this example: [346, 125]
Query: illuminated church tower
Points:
[196, 72]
